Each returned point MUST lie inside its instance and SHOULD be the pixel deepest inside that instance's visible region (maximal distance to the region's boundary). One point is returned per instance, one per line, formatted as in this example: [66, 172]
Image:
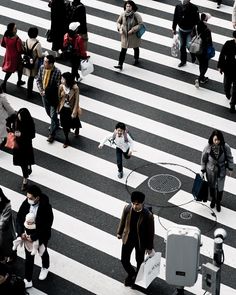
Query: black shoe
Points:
[76, 132]
[129, 281]
[193, 59]
[66, 144]
[213, 202]
[218, 207]
[29, 171]
[24, 186]
[136, 62]
[50, 138]
[20, 83]
[204, 80]
[232, 110]
[228, 96]
[120, 174]
[181, 64]
[118, 67]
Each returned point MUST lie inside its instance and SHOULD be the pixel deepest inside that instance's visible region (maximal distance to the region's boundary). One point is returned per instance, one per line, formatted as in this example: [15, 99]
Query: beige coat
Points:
[129, 41]
[5, 111]
[73, 100]
[37, 54]
[234, 14]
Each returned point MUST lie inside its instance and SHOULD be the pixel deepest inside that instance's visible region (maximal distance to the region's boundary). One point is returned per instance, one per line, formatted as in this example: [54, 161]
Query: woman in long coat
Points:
[22, 125]
[12, 61]
[128, 24]
[7, 231]
[216, 160]
[69, 106]
[5, 111]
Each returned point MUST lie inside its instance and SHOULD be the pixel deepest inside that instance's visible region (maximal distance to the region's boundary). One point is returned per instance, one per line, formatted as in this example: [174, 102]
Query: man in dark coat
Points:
[227, 65]
[186, 16]
[136, 229]
[38, 204]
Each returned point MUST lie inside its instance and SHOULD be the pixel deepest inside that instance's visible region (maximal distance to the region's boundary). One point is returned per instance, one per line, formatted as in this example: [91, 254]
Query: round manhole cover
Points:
[164, 183]
[186, 215]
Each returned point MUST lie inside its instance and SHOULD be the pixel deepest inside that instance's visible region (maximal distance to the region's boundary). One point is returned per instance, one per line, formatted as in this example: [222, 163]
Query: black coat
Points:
[227, 58]
[205, 34]
[185, 16]
[44, 220]
[78, 14]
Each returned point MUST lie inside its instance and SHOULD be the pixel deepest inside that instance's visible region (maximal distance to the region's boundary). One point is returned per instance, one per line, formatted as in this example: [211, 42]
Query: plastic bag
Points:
[175, 46]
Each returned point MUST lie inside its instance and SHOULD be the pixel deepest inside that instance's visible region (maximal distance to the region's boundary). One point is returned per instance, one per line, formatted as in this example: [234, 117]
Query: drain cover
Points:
[164, 183]
[186, 215]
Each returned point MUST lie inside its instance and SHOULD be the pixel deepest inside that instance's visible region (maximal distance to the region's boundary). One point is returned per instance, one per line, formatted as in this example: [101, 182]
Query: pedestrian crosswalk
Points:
[170, 120]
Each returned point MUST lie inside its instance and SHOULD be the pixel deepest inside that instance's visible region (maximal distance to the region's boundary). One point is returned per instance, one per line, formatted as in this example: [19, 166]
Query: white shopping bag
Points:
[175, 46]
[86, 66]
[149, 270]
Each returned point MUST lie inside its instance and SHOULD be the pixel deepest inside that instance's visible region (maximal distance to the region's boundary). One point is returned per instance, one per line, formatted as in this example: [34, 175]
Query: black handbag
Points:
[48, 36]
[200, 188]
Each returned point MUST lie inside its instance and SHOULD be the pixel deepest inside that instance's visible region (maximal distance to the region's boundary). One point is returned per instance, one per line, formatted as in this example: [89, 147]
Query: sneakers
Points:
[196, 83]
[28, 284]
[204, 80]
[43, 274]
[181, 64]
[120, 174]
[119, 67]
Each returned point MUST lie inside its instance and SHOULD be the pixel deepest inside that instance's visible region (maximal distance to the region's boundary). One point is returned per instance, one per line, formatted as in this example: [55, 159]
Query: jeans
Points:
[126, 253]
[52, 113]
[185, 39]
[123, 54]
[230, 82]
[29, 262]
[119, 154]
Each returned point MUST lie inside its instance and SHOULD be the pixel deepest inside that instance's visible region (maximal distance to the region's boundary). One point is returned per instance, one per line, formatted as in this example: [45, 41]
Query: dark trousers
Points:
[126, 253]
[123, 54]
[30, 85]
[75, 65]
[25, 171]
[185, 39]
[203, 65]
[52, 113]
[119, 154]
[230, 84]
[29, 262]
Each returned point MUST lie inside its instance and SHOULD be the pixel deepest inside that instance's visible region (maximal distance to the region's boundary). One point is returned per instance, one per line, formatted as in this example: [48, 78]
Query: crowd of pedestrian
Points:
[60, 98]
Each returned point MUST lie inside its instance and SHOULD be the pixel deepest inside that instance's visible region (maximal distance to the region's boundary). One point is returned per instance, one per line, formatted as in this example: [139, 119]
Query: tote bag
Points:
[141, 31]
[149, 270]
[200, 188]
[86, 66]
[11, 141]
[196, 45]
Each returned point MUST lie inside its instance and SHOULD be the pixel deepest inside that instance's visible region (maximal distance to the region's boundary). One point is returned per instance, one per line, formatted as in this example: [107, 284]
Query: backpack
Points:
[17, 285]
[28, 60]
[112, 140]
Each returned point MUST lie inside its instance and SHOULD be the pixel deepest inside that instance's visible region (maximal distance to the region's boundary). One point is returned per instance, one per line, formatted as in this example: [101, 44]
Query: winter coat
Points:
[76, 45]
[77, 13]
[5, 111]
[227, 58]
[43, 221]
[23, 154]
[129, 41]
[185, 16]
[216, 168]
[7, 231]
[73, 99]
[145, 227]
[204, 31]
[12, 60]
[37, 56]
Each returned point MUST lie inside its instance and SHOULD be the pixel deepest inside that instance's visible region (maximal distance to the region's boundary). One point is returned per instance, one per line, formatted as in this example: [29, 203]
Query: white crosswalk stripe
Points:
[171, 121]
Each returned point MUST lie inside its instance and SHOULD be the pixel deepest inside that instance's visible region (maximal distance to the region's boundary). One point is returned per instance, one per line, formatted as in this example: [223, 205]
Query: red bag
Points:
[11, 141]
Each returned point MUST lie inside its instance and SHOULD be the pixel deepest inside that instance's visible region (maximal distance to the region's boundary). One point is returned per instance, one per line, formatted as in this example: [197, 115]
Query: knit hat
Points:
[137, 196]
[73, 26]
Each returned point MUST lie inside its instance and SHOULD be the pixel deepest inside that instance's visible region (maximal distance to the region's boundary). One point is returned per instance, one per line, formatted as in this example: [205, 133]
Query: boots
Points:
[218, 200]
[213, 197]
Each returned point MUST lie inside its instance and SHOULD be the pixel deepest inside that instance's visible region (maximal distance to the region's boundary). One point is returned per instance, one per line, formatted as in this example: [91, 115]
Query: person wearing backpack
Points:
[33, 55]
[136, 229]
[124, 145]
[203, 59]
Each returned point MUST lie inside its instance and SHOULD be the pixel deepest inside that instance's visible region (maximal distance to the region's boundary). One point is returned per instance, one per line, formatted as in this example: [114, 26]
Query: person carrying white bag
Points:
[136, 228]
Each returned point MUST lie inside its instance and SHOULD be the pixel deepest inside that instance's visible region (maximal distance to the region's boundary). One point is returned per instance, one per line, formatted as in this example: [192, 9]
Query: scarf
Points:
[215, 151]
[129, 19]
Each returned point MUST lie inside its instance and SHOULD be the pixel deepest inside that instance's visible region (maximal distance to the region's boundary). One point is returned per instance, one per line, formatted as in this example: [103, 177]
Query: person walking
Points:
[37, 203]
[48, 81]
[12, 61]
[186, 16]
[58, 24]
[22, 125]
[205, 33]
[68, 108]
[32, 43]
[124, 145]
[77, 13]
[136, 229]
[227, 65]
[5, 111]
[234, 15]
[128, 24]
[7, 230]
[215, 161]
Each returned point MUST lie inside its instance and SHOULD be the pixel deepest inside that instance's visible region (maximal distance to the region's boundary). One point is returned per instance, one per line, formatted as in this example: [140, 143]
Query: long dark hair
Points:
[9, 31]
[26, 123]
[69, 78]
[4, 201]
[219, 135]
[134, 6]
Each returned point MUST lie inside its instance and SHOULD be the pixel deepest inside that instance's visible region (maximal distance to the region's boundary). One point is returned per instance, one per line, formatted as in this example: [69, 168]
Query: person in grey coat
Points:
[5, 111]
[215, 161]
[128, 24]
